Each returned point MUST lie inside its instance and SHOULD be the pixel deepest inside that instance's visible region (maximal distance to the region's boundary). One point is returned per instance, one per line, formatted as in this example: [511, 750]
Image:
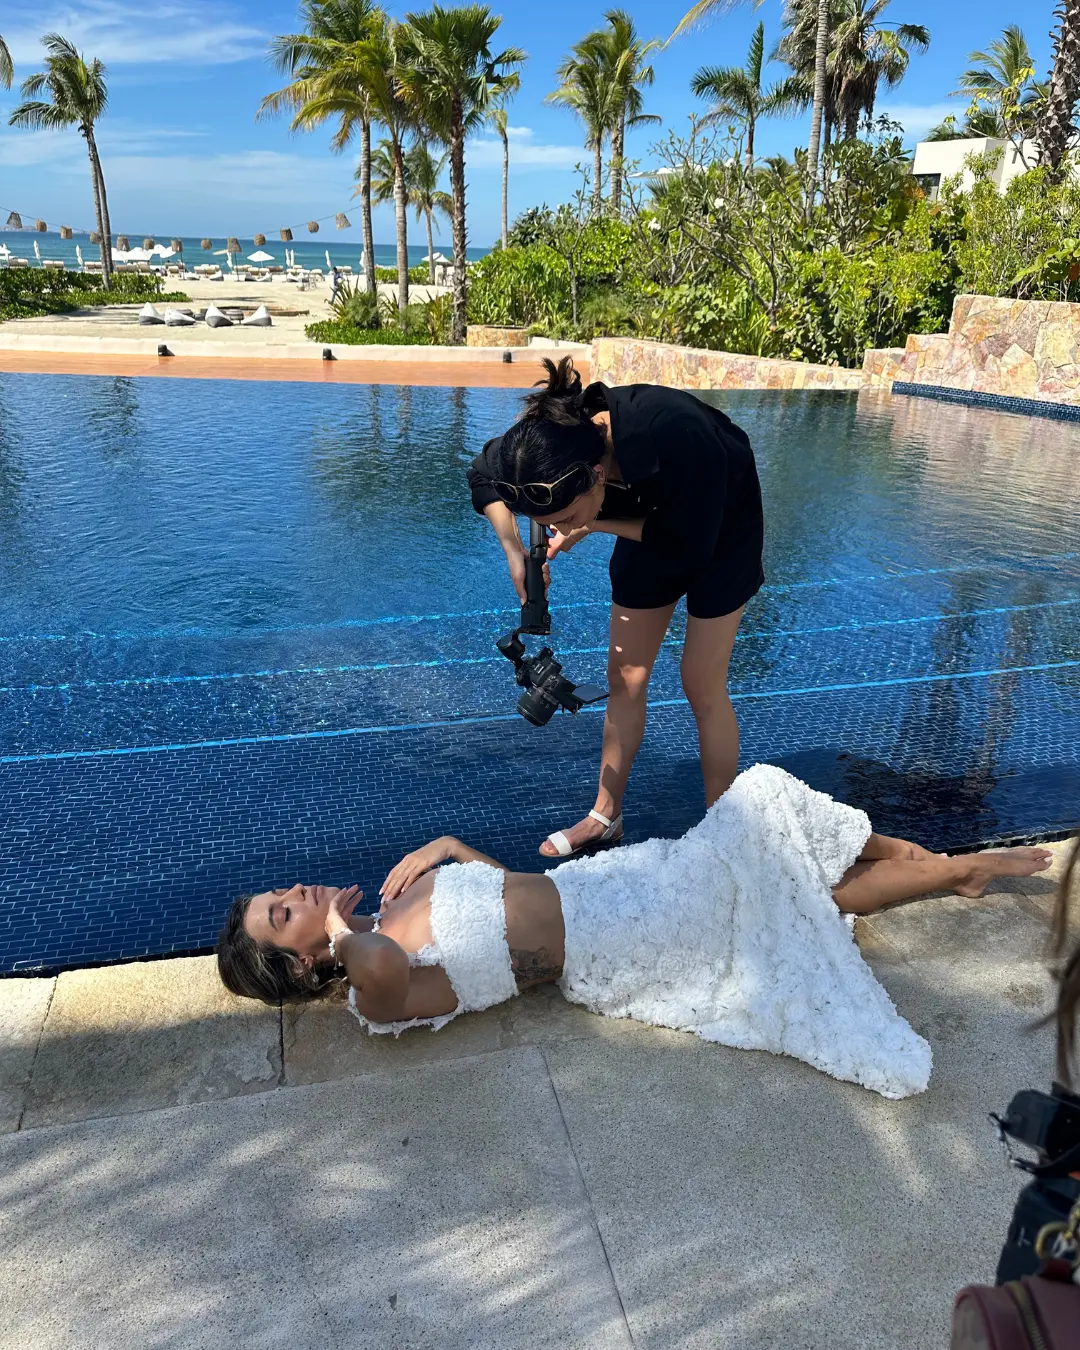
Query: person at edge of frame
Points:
[675, 480]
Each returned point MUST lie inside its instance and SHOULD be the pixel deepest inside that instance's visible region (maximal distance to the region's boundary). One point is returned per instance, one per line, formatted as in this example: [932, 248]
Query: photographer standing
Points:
[675, 480]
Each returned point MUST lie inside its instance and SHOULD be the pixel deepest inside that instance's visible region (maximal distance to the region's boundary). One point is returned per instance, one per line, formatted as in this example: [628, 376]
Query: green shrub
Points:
[30, 292]
[356, 307]
[519, 286]
[327, 330]
[420, 275]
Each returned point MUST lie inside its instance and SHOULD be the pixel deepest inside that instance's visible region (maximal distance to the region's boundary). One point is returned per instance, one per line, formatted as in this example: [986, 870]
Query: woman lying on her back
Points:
[733, 931]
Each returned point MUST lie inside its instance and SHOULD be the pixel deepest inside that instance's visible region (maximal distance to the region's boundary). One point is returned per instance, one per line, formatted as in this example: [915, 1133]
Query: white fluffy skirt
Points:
[732, 932]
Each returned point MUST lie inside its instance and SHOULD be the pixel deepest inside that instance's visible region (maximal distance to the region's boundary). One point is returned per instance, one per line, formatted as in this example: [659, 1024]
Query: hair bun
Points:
[559, 398]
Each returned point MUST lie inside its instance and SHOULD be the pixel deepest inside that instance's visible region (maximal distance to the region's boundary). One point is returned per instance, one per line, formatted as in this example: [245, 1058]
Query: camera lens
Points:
[537, 706]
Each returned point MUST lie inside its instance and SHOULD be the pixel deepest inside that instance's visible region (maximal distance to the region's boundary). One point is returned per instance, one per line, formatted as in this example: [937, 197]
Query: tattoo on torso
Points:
[538, 967]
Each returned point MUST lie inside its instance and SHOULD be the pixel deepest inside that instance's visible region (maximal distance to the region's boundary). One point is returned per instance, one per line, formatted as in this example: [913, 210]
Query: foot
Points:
[578, 836]
[981, 868]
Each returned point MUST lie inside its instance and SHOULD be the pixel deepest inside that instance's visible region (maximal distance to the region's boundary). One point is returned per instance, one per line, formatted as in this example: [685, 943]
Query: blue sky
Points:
[183, 153]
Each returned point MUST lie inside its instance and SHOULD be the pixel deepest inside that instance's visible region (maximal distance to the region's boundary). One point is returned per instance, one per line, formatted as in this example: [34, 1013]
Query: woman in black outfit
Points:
[675, 480]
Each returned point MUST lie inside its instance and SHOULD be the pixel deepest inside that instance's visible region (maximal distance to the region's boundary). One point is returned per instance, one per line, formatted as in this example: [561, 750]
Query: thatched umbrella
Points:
[177, 245]
[40, 226]
[233, 246]
[148, 242]
[286, 235]
[313, 227]
[342, 221]
[260, 239]
[123, 243]
[15, 221]
[65, 231]
[95, 238]
[207, 244]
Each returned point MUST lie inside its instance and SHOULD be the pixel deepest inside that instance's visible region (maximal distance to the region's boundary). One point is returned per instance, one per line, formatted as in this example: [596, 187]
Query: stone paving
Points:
[181, 1168]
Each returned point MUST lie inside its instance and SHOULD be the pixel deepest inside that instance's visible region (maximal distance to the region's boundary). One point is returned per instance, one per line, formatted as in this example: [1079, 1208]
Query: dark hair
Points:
[1068, 1001]
[253, 969]
[552, 435]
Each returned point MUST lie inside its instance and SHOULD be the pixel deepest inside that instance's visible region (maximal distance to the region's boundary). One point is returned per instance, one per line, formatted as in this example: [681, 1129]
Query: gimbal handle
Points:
[535, 615]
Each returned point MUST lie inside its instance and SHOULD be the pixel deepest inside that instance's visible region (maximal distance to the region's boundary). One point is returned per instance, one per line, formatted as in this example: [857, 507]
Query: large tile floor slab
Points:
[434, 1207]
[23, 1006]
[747, 1201]
[149, 1034]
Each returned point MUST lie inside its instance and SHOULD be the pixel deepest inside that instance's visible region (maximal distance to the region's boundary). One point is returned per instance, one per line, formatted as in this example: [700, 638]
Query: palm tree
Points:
[7, 67]
[1056, 128]
[736, 92]
[332, 29]
[979, 123]
[584, 88]
[624, 55]
[78, 98]
[497, 117]
[450, 76]
[1000, 82]
[422, 172]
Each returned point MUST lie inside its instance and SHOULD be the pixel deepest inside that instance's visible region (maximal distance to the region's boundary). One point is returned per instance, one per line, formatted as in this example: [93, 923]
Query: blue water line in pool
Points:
[780, 589]
[280, 737]
[148, 680]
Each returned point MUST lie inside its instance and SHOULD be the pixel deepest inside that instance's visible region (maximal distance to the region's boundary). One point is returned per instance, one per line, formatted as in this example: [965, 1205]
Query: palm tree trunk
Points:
[457, 195]
[598, 173]
[505, 185]
[821, 57]
[365, 207]
[750, 141]
[618, 140]
[1055, 128]
[102, 203]
[430, 244]
[402, 220]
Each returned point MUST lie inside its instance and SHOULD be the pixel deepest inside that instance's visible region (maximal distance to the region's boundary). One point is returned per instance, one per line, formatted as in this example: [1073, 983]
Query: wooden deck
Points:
[521, 373]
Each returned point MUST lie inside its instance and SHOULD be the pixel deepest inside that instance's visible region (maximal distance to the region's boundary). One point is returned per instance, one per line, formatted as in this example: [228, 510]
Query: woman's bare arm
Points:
[461, 852]
[378, 970]
[444, 849]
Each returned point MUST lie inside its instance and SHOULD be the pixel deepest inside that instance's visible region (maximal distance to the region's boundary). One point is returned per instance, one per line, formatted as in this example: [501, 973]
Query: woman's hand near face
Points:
[563, 543]
[414, 865]
[340, 909]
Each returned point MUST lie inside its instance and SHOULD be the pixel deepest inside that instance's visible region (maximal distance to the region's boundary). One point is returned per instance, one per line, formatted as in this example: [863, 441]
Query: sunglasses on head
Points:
[542, 494]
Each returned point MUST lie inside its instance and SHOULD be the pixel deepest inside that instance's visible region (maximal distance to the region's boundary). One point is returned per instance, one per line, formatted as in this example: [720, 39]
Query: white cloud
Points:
[25, 149]
[918, 118]
[120, 32]
[525, 152]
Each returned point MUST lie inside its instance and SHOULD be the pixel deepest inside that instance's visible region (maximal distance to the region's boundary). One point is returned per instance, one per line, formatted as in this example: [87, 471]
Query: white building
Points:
[937, 160]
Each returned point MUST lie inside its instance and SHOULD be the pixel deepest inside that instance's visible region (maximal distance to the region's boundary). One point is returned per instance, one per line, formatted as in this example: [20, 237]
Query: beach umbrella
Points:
[65, 231]
[207, 245]
[160, 251]
[259, 240]
[119, 255]
[148, 242]
[5, 252]
[342, 221]
[123, 243]
[78, 255]
[37, 251]
[139, 255]
[286, 235]
[260, 256]
[15, 221]
[313, 227]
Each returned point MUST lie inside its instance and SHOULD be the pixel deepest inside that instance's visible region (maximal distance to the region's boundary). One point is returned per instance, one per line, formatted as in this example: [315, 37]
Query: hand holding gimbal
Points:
[546, 688]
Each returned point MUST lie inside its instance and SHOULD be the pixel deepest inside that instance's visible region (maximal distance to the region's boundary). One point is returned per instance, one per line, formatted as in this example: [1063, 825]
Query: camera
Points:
[546, 687]
[1048, 1123]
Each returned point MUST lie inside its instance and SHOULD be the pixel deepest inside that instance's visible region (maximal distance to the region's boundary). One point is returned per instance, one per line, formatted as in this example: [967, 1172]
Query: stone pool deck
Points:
[183, 1169]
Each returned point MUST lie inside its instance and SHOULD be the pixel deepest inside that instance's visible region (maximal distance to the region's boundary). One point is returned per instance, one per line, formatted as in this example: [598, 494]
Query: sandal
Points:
[613, 833]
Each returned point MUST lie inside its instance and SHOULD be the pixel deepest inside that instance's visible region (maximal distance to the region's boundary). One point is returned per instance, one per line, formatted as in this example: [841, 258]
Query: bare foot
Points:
[584, 832]
[981, 868]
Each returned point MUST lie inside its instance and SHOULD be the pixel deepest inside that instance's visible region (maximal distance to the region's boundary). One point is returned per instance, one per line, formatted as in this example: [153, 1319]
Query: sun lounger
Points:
[18, 262]
[54, 264]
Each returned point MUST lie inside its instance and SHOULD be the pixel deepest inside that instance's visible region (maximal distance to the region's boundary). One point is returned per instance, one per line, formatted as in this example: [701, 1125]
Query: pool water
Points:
[247, 637]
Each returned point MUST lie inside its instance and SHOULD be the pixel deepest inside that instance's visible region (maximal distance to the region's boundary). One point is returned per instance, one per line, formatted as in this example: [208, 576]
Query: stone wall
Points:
[634, 361]
[1022, 348]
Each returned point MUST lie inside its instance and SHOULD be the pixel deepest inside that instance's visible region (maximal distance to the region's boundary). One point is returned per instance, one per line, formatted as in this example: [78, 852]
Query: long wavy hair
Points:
[253, 969]
[1067, 1011]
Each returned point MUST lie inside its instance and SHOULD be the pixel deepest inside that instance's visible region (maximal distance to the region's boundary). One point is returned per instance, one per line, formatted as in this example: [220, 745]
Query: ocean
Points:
[311, 250]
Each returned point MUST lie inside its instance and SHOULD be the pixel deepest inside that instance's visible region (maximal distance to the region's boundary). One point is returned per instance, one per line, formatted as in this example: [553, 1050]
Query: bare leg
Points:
[868, 886]
[706, 654]
[636, 635]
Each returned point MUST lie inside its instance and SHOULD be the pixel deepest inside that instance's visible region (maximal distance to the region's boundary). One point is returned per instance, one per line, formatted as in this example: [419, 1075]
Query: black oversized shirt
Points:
[688, 472]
